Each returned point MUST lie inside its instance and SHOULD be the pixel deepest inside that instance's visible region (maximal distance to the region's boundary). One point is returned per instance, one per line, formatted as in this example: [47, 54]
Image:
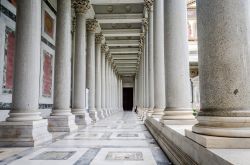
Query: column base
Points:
[144, 115]
[232, 127]
[178, 116]
[100, 114]
[109, 112]
[150, 112]
[218, 142]
[158, 113]
[24, 133]
[140, 112]
[80, 119]
[179, 122]
[105, 113]
[93, 115]
[79, 116]
[62, 123]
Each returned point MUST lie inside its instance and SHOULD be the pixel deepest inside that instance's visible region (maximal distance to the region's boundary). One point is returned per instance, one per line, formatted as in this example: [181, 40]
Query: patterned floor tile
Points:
[50, 156]
[130, 156]
[119, 139]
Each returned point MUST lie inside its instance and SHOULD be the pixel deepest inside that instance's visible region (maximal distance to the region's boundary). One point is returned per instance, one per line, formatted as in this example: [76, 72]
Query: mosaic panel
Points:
[47, 74]
[9, 51]
[48, 24]
[127, 156]
[54, 155]
[127, 135]
[13, 2]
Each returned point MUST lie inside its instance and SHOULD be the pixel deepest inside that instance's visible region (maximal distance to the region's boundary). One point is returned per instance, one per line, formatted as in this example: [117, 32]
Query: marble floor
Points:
[121, 139]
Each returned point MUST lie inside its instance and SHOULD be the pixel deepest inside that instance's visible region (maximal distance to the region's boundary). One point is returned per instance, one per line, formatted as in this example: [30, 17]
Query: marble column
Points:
[159, 73]
[112, 87]
[224, 71]
[92, 26]
[61, 118]
[149, 5]
[98, 75]
[135, 91]
[121, 95]
[146, 95]
[117, 91]
[103, 81]
[178, 87]
[107, 83]
[78, 103]
[140, 81]
[25, 126]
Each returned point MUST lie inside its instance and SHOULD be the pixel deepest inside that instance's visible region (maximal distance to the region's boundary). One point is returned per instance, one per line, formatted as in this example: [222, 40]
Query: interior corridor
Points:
[119, 139]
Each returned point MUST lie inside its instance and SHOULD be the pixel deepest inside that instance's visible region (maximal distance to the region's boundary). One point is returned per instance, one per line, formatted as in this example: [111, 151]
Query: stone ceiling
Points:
[121, 23]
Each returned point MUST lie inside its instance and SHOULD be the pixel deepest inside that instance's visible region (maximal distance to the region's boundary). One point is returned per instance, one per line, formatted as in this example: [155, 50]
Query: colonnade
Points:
[94, 69]
[224, 54]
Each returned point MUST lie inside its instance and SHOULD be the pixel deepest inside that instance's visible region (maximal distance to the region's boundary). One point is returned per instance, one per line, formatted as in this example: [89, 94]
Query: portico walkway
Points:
[119, 139]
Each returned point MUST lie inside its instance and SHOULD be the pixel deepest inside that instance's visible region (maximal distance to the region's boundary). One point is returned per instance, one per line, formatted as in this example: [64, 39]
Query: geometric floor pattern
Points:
[121, 139]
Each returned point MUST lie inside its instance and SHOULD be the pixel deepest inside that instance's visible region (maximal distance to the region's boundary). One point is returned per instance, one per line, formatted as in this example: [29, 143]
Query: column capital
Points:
[149, 5]
[104, 48]
[110, 58]
[113, 65]
[74, 24]
[142, 36]
[99, 38]
[92, 25]
[145, 23]
[81, 6]
[107, 54]
[141, 44]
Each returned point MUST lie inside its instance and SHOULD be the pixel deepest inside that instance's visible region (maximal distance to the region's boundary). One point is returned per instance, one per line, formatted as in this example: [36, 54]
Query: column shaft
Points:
[78, 107]
[61, 118]
[27, 63]
[91, 74]
[224, 59]
[150, 60]
[178, 89]
[107, 85]
[98, 76]
[91, 27]
[103, 82]
[159, 73]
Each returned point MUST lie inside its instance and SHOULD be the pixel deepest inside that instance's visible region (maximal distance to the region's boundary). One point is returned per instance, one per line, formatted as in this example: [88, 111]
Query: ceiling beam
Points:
[125, 57]
[124, 50]
[119, 18]
[121, 32]
[126, 66]
[113, 2]
[125, 61]
[122, 42]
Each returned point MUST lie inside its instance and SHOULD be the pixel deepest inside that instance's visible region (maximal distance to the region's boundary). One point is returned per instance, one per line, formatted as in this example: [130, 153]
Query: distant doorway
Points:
[127, 99]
